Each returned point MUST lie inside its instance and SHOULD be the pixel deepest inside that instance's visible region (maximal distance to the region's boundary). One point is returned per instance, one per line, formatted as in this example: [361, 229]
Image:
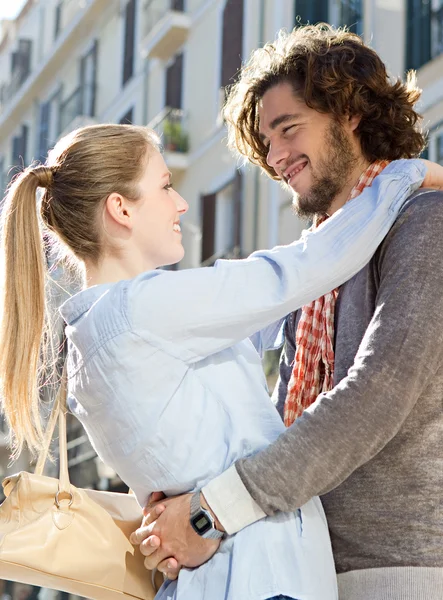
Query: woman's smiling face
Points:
[157, 215]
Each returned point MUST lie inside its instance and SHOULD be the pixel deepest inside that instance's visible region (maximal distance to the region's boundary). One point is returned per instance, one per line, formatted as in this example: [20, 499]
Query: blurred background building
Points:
[165, 64]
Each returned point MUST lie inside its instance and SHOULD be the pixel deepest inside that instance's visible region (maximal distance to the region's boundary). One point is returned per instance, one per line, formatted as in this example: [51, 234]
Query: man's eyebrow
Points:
[279, 120]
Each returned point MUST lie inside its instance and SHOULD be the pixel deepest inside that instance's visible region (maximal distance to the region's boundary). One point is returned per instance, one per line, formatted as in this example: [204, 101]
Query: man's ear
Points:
[354, 121]
[119, 210]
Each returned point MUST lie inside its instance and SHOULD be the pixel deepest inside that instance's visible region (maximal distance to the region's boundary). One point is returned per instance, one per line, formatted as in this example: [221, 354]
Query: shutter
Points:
[43, 137]
[311, 11]
[128, 49]
[232, 48]
[208, 226]
[352, 15]
[174, 83]
[418, 34]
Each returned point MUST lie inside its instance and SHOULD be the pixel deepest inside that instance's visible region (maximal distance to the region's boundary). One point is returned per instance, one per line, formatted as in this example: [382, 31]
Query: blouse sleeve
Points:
[197, 312]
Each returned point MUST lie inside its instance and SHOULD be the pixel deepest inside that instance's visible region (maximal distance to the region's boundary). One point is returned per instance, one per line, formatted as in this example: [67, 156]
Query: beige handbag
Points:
[57, 536]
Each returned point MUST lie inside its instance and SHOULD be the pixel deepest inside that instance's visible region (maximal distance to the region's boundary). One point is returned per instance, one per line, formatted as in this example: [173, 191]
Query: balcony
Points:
[76, 111]
[166, 28]
[170, 124]
[77, 27]
[21, 69]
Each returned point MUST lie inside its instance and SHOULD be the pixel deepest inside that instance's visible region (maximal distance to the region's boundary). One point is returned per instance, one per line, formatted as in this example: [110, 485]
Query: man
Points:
[317, 111]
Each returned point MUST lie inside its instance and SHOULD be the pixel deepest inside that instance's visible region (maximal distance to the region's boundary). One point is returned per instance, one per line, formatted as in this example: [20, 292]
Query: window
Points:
[307, 11]
[82, 99]
[43, 135]
[58, 19]
[128, 48]
[21, 61]
[19, 158]
[221, 222]
[351, 15]
[127, 117]
[232, 45]
[174, 83]
[439, 152]
[19, 147]
[88, 78]
[418, 34]
[436, 27]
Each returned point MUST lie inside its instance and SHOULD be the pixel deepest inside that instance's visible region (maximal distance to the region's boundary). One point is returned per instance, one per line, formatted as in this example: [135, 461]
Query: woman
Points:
[160, 372]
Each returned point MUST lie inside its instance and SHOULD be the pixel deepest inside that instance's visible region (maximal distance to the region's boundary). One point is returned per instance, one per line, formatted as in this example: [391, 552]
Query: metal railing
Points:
[170, 124]
[9, 90]
[75, 105]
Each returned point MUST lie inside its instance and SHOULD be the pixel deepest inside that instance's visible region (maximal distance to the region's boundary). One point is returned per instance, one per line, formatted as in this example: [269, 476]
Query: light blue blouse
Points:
[171, 391]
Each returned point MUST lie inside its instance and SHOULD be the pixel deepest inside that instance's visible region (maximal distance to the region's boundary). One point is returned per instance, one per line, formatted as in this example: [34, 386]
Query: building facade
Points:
[166, 63]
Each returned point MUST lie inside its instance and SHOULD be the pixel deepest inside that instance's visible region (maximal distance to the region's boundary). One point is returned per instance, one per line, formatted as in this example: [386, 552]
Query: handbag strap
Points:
[58, 411]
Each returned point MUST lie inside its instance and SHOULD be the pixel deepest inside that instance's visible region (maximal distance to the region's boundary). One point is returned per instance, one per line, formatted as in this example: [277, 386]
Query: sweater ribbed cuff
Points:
[392, 583]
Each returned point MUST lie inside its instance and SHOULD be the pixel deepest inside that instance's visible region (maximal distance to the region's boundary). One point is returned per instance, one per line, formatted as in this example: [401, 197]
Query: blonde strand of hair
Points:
[23, 317]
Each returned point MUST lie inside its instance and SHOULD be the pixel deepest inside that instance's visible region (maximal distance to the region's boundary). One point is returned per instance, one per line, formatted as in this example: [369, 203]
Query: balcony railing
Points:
[170, 124]
[155, 10]
[77, 104]
[165, 28]
[21, 61]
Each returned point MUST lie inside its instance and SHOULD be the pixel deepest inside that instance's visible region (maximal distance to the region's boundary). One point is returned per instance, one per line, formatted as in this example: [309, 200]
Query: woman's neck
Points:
[112, 269]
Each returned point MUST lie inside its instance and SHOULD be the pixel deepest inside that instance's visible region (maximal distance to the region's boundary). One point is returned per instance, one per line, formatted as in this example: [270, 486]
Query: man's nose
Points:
[277, 155]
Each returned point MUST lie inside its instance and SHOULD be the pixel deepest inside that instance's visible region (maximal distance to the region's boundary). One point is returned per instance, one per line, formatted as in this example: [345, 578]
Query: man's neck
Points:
[341, 199]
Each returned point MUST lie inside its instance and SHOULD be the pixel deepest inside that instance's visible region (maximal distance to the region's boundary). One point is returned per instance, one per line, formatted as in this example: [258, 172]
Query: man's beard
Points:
[331, 174]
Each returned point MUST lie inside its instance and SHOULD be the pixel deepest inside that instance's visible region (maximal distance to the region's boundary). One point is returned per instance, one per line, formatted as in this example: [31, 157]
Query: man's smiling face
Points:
[311, 151]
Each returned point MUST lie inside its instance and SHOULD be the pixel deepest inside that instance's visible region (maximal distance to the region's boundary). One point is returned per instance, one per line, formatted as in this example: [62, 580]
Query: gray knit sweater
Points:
[373, 446]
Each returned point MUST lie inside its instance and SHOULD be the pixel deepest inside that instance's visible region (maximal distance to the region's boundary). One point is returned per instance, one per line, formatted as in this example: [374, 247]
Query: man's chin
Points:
[308, 207]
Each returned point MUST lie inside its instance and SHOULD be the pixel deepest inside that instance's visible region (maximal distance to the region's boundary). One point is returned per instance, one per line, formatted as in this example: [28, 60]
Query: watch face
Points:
[201, 523]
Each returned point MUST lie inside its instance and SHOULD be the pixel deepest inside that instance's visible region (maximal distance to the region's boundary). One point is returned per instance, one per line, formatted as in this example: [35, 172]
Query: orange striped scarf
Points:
[313, 370]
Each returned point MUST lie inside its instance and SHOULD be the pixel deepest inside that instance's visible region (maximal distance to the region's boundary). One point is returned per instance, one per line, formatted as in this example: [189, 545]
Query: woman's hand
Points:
[434, 175]
[167, 539]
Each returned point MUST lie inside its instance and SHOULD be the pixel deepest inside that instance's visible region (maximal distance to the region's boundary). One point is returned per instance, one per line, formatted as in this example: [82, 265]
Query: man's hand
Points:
[434, 175]
[167, 539]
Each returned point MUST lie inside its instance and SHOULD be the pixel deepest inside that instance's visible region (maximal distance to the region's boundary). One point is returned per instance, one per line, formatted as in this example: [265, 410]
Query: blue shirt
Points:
[165, 375]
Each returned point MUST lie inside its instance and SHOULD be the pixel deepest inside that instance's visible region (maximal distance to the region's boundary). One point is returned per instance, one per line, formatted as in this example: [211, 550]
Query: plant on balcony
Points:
[175, 137]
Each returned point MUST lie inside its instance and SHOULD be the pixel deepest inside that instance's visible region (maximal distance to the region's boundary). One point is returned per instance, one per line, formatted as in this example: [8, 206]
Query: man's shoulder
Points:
[424, 204]
[417, 231]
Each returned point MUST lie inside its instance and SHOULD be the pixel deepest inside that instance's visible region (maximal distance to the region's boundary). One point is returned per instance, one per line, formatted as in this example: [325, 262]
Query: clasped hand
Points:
[166, 537]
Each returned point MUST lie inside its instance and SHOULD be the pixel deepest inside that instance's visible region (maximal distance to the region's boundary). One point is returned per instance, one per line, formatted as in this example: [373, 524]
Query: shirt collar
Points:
[81, 302]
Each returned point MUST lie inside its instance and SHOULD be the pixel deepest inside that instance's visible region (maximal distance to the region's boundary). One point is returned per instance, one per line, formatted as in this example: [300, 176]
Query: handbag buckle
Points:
[57, 499]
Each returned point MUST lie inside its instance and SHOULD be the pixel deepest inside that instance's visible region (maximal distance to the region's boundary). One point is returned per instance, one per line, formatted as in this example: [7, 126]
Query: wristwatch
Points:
[202, 521]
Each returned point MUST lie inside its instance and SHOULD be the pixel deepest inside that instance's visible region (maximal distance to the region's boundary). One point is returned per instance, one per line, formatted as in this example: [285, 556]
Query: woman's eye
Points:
[168, 186]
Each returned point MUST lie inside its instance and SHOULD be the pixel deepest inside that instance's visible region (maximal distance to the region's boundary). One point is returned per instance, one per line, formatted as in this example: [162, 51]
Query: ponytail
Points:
[23, 304]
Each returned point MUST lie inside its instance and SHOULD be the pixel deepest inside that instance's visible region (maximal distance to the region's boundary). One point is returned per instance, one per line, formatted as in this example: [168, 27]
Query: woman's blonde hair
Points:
[82, 170]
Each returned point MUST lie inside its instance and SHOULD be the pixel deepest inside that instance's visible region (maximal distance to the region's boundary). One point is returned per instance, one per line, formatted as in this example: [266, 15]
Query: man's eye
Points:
[286, 129]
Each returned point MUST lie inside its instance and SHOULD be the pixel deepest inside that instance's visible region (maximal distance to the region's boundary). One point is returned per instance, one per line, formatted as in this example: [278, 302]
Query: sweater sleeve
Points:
[349, 425]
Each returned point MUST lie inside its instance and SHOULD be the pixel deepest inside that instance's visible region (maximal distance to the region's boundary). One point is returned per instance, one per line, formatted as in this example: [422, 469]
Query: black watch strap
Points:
[202, 521]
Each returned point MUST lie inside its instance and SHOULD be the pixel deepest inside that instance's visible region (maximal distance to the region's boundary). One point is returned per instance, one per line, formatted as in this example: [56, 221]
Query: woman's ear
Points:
[119, 210]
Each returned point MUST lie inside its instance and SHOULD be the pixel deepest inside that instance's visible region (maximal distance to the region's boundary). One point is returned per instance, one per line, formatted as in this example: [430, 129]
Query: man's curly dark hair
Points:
[334, 72]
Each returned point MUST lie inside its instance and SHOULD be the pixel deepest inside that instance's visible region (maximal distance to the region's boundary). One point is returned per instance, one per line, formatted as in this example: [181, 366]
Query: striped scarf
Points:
[313, 366]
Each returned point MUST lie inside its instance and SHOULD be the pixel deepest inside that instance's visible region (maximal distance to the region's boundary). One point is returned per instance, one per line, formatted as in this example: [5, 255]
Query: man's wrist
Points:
[206, 506]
